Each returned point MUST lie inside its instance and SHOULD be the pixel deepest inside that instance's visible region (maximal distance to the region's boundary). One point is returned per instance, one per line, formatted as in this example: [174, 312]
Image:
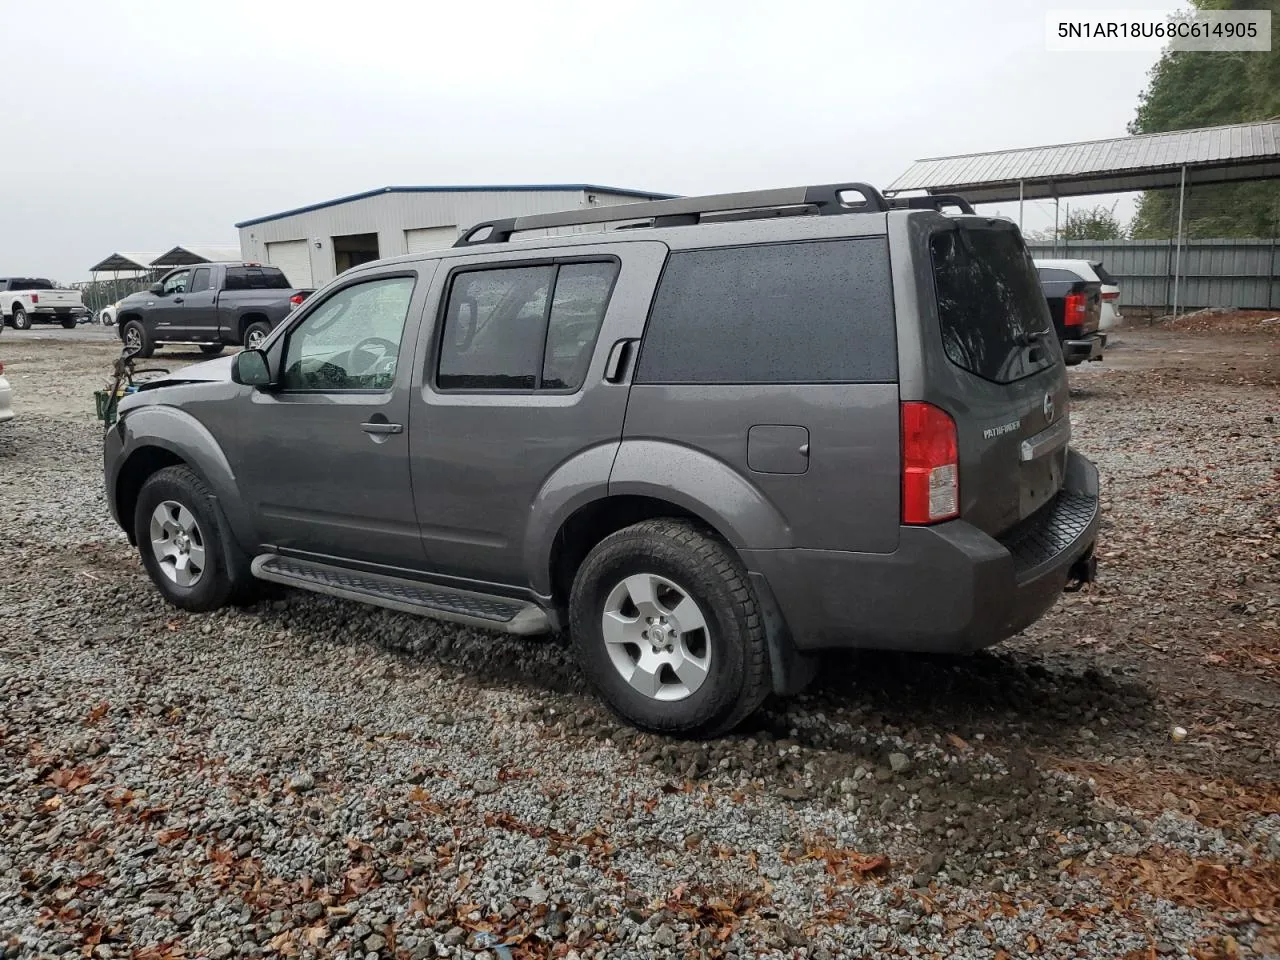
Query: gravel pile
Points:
[308, 777]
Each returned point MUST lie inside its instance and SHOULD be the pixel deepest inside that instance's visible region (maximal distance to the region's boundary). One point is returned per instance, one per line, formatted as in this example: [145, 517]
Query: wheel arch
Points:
[157, 437]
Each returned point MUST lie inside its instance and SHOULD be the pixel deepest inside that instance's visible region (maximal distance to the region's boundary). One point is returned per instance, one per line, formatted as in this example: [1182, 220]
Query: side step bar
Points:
[407, 596]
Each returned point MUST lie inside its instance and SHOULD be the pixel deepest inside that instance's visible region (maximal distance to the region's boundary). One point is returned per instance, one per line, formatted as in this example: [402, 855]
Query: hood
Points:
[210, 371]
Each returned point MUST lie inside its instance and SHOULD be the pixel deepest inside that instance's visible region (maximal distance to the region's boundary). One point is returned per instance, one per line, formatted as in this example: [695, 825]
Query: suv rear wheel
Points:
[667, 628]
[185, 543]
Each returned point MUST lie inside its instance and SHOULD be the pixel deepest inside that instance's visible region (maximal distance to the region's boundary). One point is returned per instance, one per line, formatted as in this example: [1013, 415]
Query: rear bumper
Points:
[41, 312]
[949, 587]
[1086, 348]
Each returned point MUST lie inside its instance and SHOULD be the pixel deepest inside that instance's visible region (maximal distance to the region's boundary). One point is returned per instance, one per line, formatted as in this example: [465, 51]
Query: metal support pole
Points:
[1019, 206]
[1055, 226]
[1177, 260]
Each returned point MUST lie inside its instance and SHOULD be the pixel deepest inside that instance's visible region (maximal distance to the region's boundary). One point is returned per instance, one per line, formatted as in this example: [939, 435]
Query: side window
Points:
[577, 310]
[351, 341]
[199, 280]
[815, 312]
[177, 282]
[523, 328]
[1053, 273]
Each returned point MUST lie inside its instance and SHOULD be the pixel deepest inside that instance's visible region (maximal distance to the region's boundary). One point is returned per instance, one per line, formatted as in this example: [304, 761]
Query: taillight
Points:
[1111, 296]
[930, 465]
[1076, 306]
[1, 368]
[35, 298]
[295, 301]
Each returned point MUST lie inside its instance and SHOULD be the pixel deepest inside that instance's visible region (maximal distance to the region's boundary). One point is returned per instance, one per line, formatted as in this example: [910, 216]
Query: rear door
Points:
[514, 386]
[199, 317]
[992, 361]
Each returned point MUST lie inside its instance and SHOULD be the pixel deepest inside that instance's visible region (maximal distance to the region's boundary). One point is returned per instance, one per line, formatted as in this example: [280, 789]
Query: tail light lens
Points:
[930, 465]
[1, 368]
[1076, 306]
[295, 301]
[35, 298]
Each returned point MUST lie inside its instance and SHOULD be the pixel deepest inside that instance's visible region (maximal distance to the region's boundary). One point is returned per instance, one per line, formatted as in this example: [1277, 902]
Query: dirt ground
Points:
[1105, 785]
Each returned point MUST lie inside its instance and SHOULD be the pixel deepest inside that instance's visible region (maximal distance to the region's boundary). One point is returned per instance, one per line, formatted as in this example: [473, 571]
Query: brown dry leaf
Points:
[1002, 954]
[98, 712]
[91, 881]
[172, 835]
[1033, 945]
[70, 780]
[957, 742]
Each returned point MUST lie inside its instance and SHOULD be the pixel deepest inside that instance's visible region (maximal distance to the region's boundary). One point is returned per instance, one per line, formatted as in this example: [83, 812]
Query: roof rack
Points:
[825, 200]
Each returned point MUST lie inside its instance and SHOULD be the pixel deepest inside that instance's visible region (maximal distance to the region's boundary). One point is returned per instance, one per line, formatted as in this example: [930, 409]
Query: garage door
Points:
[294, 258]
[429, 238]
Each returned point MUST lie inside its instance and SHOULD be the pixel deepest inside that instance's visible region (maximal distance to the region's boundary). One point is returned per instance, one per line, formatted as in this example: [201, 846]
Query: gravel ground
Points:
[309, 777]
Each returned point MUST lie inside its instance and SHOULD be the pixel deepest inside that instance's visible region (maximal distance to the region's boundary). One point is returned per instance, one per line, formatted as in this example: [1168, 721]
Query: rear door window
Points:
[256, 278]
[815, 312]
[990, 305]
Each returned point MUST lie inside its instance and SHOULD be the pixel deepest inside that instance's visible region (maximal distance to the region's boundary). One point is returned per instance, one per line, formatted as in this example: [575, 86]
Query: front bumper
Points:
[1086, 348]
[948, 587]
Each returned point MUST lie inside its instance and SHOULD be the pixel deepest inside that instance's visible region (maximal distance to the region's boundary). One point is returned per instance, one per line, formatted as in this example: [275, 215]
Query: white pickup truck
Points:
[23, 300]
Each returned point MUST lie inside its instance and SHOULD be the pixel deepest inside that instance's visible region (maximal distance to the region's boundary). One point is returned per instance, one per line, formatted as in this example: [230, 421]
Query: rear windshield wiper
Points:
[1031, 339]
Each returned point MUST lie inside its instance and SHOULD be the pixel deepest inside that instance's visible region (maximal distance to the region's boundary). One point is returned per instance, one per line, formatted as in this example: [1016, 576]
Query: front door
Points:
[167, 311]
[325, 463]
[199, 317]
[514, 387]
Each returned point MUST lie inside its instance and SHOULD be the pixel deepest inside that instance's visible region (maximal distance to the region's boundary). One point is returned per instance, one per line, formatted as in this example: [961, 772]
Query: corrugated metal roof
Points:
[1242, 151]
[184, 254]
[479, 188]
[124, 261]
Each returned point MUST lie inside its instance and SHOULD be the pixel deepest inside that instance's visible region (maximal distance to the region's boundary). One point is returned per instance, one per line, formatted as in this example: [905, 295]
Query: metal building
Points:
[313, 244]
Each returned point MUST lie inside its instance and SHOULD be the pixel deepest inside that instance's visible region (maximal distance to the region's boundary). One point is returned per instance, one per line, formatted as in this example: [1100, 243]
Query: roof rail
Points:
[933, 201]
[824, 200]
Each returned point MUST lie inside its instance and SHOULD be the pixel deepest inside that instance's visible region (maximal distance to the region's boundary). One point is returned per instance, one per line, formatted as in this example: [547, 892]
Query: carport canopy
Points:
[1238, 151]
[124, 262]
[182, 256]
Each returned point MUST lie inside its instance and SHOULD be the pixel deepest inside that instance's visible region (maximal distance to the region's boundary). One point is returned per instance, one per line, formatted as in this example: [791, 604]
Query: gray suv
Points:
[709, 440]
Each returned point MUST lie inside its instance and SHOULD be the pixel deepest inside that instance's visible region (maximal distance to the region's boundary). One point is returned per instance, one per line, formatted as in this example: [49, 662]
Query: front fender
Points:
[706, 487]
[174, 430]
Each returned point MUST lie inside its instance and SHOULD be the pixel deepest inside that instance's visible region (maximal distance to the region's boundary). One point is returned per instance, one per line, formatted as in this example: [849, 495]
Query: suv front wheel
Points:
[667, 628]
[185, 543]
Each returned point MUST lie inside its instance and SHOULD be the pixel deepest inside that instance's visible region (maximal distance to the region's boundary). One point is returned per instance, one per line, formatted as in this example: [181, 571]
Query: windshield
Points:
[994, 317]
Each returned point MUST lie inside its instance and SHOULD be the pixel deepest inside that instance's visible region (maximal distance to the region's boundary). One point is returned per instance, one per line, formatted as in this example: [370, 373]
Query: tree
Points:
[1095, 223]
[1190, 88]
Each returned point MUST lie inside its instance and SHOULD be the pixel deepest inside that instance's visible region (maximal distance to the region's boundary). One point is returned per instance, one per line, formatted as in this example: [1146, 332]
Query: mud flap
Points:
[791, 669]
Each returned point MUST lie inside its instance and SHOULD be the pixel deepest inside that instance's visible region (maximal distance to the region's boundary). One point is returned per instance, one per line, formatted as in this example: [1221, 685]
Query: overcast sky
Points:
[137, 126]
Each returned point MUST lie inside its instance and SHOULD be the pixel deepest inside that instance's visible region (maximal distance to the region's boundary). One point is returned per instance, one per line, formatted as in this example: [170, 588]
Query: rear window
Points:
[26, 284]
[817, 312]
[256, 278]
[990, 304]
[1105, 277]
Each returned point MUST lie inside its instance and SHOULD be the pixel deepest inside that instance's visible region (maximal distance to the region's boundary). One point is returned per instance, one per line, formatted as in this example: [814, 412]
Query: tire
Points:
[69, 323]
[133, 333]
[255, 333]
[730, 675]
[211, 349]
[20, 319]
[212, 571]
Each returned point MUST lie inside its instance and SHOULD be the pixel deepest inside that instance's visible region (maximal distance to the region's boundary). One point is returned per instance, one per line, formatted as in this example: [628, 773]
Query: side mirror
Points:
[250, 368]
[157, 289]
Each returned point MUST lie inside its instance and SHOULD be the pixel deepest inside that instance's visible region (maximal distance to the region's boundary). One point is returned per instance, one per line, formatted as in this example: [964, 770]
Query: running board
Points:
[407, 596]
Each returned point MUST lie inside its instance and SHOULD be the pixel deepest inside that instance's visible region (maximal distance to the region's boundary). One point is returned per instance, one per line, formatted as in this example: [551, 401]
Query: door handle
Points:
[179, 300]
[382, 428]
[615, 368]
